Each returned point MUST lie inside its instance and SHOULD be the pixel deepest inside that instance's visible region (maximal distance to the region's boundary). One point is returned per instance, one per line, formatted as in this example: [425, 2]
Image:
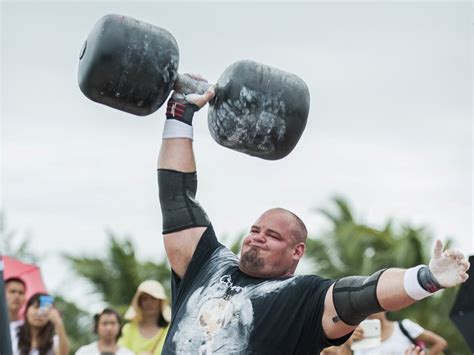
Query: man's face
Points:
[15, 294]
[271, 249]
[108, 327]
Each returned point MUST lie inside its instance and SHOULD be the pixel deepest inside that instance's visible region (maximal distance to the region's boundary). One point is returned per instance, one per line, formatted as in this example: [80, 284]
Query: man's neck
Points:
[13, 316]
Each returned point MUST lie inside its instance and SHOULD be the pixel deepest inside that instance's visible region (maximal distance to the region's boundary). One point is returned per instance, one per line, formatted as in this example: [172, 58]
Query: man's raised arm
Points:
[351, 299]
[184, 220]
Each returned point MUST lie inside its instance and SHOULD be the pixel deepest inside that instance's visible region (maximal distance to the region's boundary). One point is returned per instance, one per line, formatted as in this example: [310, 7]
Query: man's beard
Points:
[250, 261]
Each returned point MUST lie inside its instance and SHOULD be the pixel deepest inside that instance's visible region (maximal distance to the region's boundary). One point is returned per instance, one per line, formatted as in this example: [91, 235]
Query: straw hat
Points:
[155, 290]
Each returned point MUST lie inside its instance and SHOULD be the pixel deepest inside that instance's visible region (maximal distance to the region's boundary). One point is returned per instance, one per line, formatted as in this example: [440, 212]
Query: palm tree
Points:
[77, 321]
[116, 277]
[353, 248]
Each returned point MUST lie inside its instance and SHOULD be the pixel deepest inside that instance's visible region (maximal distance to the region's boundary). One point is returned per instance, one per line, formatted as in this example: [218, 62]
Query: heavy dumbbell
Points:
[132, 66]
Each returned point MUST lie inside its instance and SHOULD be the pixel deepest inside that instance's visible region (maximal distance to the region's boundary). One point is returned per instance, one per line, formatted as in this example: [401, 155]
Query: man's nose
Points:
[259, 237]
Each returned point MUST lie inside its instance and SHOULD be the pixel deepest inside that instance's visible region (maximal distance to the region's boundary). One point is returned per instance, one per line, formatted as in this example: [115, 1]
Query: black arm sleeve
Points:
[179, 208]
[355, 298]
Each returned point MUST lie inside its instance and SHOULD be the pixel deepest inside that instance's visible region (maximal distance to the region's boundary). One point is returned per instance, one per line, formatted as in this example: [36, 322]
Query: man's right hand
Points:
[180, 111]
[195, 99]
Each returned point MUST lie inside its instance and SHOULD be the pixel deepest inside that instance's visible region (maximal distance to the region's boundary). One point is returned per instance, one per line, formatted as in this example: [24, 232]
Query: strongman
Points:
[255, 305]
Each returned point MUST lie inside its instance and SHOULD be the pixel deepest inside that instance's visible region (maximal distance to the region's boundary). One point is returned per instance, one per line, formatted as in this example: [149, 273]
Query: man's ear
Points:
[298, 251]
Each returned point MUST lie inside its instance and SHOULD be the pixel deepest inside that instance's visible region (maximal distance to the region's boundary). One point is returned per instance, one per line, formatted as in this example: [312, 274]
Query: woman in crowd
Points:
[42, 332]
[149, 316]
[108, 327]
[398, 336]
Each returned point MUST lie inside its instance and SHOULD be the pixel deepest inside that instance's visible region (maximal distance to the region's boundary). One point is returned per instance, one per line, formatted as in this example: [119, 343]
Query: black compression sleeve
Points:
[179, 208]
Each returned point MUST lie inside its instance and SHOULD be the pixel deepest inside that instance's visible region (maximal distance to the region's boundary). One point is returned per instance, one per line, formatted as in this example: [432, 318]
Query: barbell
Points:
[132, 66]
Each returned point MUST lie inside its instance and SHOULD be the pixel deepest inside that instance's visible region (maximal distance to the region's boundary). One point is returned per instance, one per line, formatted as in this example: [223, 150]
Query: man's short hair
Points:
[108, 311]
[15, 279]
[301, 230]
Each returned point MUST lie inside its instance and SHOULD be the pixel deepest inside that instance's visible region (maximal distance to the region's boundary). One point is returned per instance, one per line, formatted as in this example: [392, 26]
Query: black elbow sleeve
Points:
[355, 297]
[180, 210]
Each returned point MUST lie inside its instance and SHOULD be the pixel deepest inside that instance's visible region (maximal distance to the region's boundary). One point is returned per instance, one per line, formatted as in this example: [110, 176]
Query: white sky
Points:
[390, 124]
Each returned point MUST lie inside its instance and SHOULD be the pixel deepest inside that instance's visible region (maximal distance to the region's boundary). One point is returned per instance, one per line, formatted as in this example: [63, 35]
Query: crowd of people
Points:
[37, 329]
[40, 331]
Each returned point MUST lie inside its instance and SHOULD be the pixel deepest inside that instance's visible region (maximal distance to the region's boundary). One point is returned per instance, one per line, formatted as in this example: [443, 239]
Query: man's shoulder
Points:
[311, 285]
[211, 250]
[15, 325]
[314, 280]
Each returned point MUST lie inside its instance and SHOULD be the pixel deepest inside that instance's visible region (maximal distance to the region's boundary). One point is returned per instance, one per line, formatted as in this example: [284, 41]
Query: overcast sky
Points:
[389, 126]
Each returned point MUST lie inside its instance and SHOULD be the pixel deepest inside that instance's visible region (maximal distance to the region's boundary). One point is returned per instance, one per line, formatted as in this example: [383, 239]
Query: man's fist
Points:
[195, 99]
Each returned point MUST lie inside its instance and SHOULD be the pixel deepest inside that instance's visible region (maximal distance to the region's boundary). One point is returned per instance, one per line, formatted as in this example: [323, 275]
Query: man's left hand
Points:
[449, 267]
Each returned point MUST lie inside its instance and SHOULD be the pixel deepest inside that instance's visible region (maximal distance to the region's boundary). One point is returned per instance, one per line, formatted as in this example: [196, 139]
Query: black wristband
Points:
[183, 112]
[427, 280]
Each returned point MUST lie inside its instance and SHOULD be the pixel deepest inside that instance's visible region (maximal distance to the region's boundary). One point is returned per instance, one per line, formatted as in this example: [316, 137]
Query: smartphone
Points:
[45, 303]
[372, 335]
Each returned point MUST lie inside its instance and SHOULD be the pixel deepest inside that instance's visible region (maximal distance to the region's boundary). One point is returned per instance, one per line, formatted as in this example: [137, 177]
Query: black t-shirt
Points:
[217, 309]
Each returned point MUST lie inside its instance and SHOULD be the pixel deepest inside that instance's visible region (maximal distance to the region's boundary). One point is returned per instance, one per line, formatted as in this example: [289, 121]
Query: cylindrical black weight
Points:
[128, 64]
[259, 110]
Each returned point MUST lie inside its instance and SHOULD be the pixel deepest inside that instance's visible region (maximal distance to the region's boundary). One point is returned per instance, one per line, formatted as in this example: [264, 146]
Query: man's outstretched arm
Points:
[350, 300]
[184, 221]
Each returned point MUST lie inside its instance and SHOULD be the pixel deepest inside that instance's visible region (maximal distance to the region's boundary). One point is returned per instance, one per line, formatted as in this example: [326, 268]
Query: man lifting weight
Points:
[255, 305]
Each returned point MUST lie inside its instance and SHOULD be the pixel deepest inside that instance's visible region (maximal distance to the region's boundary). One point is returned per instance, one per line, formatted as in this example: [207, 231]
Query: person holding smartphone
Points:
[398, 337]
[42, 332]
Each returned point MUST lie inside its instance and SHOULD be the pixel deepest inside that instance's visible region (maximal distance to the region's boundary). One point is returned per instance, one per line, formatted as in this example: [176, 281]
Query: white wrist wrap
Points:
[412, 286]
[177, 129]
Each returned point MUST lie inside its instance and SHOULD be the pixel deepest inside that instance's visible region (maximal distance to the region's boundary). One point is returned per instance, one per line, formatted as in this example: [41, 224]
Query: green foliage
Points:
[353, 248]
[116, 276]
[78, 323]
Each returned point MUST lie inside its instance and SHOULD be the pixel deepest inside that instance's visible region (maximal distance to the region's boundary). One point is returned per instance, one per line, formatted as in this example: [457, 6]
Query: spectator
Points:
[108, 327]
[42, 332]
[149, 316]
[15, 292]
[344, 349]
[395, 341]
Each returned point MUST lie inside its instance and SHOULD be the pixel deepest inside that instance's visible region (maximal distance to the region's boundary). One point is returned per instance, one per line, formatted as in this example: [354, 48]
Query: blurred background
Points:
[383, 168]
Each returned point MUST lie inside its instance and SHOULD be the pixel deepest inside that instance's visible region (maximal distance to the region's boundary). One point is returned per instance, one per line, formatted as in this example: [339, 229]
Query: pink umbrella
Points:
[29, 273]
